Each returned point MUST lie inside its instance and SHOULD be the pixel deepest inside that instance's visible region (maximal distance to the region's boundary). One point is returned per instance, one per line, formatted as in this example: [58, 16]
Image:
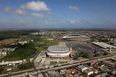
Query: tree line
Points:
[14, 34]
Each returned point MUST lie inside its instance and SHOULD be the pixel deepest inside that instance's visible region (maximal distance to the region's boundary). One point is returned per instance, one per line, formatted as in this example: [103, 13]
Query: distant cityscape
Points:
[58, 53]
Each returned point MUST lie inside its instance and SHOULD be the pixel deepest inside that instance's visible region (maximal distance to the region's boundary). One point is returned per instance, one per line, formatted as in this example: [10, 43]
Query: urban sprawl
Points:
[58, 53]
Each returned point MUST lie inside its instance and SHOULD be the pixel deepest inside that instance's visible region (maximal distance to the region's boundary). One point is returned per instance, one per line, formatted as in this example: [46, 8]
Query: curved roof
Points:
[58, 54]
[75, 36]
[58, 49]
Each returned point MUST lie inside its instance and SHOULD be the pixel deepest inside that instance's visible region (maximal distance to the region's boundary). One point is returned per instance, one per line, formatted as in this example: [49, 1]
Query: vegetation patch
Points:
[22, 52]
[53, 63]
[60, 62]
[25, 66]
[84, 54]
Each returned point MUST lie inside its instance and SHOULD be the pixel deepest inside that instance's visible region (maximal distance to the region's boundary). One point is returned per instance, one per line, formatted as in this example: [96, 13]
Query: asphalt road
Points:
[33, 61]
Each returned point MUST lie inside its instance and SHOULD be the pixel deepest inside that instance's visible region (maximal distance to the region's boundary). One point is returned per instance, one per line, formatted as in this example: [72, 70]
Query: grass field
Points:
[60, 62]
[53, 63]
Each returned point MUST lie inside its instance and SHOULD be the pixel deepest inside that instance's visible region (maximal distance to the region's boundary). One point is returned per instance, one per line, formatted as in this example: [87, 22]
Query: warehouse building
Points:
[105, 46]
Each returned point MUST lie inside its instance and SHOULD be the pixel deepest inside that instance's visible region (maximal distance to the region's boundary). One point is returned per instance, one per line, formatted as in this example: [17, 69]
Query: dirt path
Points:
[62, 43]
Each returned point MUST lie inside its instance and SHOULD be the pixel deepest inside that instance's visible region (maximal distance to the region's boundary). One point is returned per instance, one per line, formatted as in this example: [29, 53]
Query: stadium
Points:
[58, 52]
[75, 37]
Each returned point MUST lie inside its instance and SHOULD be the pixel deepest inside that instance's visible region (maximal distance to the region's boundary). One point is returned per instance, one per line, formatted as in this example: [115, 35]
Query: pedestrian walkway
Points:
[47, 62]
[43, 60]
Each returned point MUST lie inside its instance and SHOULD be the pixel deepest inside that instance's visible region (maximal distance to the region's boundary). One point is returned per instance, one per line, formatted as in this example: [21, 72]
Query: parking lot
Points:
[99, 50]
[88, 48]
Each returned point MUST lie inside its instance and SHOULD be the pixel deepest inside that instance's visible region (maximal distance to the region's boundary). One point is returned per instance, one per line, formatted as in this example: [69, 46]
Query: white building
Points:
[88, 72]
[2, 52]
[22, 42]
[11, 62]
[82, 68]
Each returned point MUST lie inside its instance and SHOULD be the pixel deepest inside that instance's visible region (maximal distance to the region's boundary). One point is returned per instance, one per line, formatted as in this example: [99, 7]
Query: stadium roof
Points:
[74, 36]
[58, 48]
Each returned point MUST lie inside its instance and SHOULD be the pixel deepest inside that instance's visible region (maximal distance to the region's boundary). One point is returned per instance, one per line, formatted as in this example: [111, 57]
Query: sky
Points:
[58, 14]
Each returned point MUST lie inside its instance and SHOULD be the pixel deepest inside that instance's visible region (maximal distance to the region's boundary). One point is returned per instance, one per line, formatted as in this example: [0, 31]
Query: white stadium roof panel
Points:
[58, 48]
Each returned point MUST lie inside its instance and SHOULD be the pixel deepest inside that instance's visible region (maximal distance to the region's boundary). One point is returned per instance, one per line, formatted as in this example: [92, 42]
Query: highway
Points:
[75, 63]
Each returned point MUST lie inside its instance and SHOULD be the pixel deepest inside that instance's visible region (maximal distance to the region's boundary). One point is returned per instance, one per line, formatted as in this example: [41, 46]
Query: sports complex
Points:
[58, 52]
[76, 37]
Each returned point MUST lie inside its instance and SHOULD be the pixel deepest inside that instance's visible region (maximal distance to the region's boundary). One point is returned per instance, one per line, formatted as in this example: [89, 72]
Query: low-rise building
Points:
[11, 63]
[109, 63]
[101, 64]
[22, 42]
[40, 75]
[88, 72]
[82, 68]
[9, 49]
[2, 52]
[53, 74]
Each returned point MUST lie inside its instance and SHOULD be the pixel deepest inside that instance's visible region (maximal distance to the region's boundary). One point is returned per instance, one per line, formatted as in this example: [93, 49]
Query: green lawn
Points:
[53, 63]
[60, 62]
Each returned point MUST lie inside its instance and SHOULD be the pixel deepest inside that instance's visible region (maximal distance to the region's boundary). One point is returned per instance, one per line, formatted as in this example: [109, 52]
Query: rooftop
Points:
[58, 48]
[104, 45]
[75, 36]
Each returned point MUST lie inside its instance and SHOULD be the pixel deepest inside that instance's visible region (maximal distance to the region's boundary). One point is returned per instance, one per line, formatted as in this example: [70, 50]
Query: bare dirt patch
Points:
[50, 39]
[7, 41]
[62, 43]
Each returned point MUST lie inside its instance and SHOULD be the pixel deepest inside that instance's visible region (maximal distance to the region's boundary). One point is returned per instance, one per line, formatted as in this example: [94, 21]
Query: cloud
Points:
[72, 22]
[26, 21]
[51, 13]
[35, 6]
[55, 22]
[96, 6]
[21, 21]
[46, 22]
[7, 9]
[37, 15]
[73, 8]
[20, 12]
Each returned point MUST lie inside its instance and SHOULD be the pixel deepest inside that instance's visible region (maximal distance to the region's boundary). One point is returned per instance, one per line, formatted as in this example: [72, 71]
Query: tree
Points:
[76, 56]
[82, 52]
[85, 55]
[1, 69]
[96, 55]
[95, 51]
[111, 43]
[105, 53]
[25, 66]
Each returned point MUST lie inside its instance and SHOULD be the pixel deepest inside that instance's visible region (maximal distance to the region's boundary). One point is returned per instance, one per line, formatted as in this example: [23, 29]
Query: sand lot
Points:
[50, 39]
[62, 43]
